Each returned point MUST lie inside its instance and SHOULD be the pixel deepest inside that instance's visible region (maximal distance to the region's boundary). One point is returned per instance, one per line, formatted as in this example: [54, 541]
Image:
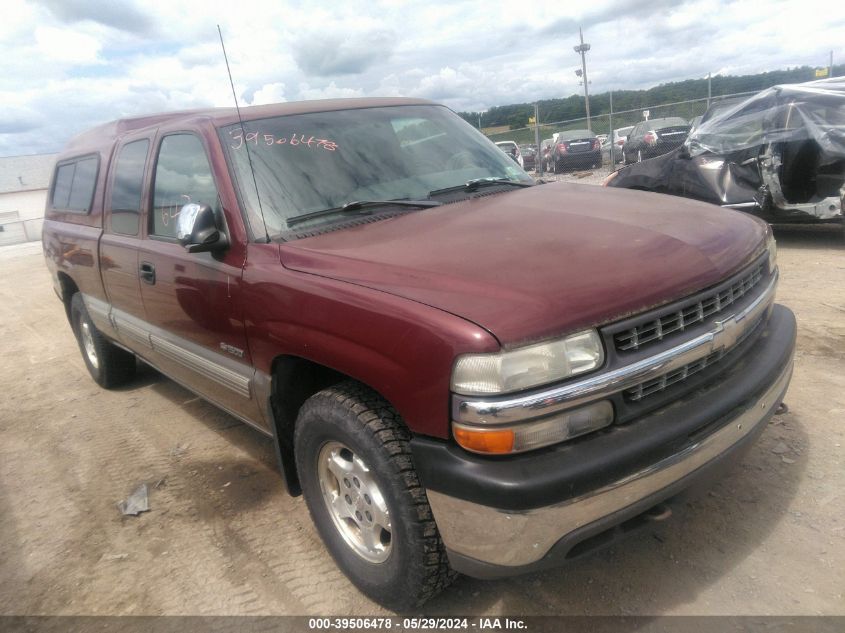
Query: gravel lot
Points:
[589, 177]
[223, 538]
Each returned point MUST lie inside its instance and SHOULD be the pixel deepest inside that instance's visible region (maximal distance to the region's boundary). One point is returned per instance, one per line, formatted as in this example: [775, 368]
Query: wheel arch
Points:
[69, 288]
[294, 379]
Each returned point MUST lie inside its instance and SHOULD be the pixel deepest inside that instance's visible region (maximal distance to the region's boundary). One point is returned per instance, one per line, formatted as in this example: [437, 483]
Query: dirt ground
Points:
[223, 538]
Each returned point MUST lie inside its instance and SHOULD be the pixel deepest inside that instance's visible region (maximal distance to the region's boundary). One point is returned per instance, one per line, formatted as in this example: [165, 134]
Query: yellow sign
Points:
[531, 120]
[821, 72]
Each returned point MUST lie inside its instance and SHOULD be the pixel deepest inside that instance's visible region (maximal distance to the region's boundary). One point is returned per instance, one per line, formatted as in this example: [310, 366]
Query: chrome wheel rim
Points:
[355, 502]
[88, 344]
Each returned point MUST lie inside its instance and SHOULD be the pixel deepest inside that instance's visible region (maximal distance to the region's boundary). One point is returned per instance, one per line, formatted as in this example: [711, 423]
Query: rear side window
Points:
[74, 184]
[126, 188]
[183, 175]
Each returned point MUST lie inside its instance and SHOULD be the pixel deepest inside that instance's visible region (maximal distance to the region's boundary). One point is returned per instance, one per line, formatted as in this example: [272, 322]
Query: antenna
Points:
[243, 131]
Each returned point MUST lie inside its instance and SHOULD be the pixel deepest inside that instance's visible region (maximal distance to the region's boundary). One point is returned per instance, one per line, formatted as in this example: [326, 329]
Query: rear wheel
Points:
[109, 365]
[364, 496]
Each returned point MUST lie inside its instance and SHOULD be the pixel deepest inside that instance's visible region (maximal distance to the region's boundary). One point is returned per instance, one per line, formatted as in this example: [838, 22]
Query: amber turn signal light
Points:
[490, 441]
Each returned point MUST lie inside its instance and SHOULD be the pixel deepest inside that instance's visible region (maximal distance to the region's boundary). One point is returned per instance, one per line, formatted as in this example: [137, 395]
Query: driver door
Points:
[192, 300]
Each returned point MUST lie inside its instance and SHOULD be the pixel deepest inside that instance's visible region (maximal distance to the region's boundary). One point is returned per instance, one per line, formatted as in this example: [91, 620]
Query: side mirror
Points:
[197, 229]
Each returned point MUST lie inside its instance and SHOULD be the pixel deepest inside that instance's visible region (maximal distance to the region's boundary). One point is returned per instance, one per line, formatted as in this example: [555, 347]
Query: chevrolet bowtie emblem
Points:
[727, 333]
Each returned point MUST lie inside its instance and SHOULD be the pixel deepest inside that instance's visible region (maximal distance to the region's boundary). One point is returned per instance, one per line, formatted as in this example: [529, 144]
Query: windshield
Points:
[310, 162]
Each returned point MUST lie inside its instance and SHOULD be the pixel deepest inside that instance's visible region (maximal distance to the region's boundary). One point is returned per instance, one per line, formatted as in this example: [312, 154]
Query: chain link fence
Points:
[603, 124]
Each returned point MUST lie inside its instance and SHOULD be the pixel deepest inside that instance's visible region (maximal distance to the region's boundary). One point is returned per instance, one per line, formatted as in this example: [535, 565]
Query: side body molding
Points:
[203, 371]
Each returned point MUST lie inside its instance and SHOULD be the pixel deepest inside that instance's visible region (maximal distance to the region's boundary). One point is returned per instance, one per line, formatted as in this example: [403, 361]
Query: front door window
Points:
[183, 175]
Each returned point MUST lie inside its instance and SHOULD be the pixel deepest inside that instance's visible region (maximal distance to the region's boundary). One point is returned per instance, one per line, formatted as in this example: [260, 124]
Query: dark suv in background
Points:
[653, 138]
[529, 156]
[575, 148]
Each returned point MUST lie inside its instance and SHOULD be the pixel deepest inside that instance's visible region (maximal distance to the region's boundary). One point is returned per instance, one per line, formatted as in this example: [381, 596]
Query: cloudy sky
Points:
[70, 64]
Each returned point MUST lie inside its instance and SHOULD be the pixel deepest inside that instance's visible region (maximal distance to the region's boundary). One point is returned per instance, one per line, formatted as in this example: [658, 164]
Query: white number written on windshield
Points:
[239, 140]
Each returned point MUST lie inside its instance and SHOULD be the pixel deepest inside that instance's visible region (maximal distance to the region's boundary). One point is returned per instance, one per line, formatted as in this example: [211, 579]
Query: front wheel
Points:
[354, 464]
[109, 365]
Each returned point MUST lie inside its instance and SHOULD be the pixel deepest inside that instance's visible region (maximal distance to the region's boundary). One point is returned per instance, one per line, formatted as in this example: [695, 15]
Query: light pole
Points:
[582, 49]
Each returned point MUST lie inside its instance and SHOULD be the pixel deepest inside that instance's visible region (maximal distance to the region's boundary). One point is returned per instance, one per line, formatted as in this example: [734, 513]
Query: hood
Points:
[543, 261]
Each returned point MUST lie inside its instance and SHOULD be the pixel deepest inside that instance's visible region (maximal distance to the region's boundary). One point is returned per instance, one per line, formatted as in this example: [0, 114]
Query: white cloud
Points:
[269, 93]
[324, 53]
[446, 84]
[332, 91]
[66, 46]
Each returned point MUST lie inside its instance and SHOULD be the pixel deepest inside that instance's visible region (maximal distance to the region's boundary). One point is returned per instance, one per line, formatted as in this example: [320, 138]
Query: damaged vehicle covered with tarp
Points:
[779, 154]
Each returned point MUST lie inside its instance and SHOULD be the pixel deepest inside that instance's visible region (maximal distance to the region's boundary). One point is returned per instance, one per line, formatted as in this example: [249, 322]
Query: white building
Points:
[24, 181]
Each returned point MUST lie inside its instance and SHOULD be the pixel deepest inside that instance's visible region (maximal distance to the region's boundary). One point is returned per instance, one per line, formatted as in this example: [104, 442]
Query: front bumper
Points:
[507, 516]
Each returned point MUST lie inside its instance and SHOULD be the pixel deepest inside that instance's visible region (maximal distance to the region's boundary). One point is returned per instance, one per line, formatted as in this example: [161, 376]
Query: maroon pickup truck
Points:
[462, 370]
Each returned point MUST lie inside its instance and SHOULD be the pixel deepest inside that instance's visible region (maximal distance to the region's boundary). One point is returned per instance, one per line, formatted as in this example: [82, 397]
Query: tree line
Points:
[552, 110]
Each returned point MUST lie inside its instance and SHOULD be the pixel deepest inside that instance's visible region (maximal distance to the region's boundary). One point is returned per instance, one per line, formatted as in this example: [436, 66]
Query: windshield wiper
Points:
[472, 185]
[359, 205]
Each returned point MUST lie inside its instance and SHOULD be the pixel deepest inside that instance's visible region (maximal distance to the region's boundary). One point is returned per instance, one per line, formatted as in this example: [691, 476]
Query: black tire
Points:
[114, 366]
[349, 414]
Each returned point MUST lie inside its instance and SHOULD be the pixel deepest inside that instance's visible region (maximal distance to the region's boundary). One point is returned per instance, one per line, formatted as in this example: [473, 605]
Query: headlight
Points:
[772, 248]
[504, 372]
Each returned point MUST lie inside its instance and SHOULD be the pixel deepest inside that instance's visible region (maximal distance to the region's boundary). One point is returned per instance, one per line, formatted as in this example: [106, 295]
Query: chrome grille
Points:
[665, 381]
[689, 314]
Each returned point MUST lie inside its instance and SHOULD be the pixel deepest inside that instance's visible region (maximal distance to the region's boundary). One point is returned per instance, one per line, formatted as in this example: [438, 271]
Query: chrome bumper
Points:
[515, 539]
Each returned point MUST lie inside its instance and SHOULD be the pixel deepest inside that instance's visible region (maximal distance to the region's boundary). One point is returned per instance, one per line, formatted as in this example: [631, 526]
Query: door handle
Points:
[148, 272]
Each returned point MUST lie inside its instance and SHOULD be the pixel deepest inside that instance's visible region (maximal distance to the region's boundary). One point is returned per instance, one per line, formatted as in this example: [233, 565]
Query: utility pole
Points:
[581, 50]
[479, 121]
[610, 138]
[537, 138]
[708, 90]
[830, 67]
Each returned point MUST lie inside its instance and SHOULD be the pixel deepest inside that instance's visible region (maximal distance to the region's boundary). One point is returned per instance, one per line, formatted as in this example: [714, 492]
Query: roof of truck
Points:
[97, 137]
